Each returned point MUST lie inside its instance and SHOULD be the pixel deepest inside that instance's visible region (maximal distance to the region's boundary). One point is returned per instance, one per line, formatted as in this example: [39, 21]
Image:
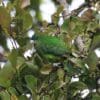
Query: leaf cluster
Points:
[59, 54]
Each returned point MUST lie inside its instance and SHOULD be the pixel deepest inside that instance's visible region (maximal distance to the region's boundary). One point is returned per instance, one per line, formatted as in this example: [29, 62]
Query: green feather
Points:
[51, 45]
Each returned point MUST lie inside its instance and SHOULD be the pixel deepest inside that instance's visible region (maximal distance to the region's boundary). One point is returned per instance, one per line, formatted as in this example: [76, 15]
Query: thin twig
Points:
[65, 6]
[74, 12]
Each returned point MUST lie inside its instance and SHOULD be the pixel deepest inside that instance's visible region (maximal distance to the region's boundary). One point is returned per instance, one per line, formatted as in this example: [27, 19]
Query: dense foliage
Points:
[59, 53]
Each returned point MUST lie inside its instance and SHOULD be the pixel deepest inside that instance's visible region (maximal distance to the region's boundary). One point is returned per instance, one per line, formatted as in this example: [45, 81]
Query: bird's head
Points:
[34, 37]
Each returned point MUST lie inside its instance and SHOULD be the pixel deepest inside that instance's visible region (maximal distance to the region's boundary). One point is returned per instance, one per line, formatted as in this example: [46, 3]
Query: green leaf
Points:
[92, 26]
[74, 89]
[95, 42]
[60, 73]
[92, 61]
[23, 97]
[96, 97]
[31, 82]
[6, 75]
[46, 97]
[13, 97]
[4, 95]
[12, 91]
[73, 26]
[77, 62]
[32, 65]
[26, 24]
[20, 62]
[13, 57]
[77, 26]
[23, 40]
[65, 26]
[28, 69]
[35, 4]
[55, 18]
[3, 40]
[88, 78]
[4, 18]
[71, 69]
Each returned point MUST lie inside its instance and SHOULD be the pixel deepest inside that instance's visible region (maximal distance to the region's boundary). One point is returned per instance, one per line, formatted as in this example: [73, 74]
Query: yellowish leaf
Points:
[14, 97]
[46, 69]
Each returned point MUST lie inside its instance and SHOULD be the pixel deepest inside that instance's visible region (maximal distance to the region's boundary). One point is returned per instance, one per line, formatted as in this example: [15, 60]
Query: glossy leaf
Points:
[26, 24]
[7, 72]
[92, 61]
[12, 91]
[13, 57]
[31, 82]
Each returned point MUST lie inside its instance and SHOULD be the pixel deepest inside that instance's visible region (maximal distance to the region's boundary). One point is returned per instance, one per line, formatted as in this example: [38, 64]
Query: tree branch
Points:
[74, 12]
[66, 8]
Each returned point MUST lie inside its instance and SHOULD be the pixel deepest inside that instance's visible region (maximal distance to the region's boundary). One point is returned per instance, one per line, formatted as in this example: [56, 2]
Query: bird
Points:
[50, 47]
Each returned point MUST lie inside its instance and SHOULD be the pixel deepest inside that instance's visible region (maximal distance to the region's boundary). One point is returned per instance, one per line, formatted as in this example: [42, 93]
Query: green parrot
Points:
[50, 47]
